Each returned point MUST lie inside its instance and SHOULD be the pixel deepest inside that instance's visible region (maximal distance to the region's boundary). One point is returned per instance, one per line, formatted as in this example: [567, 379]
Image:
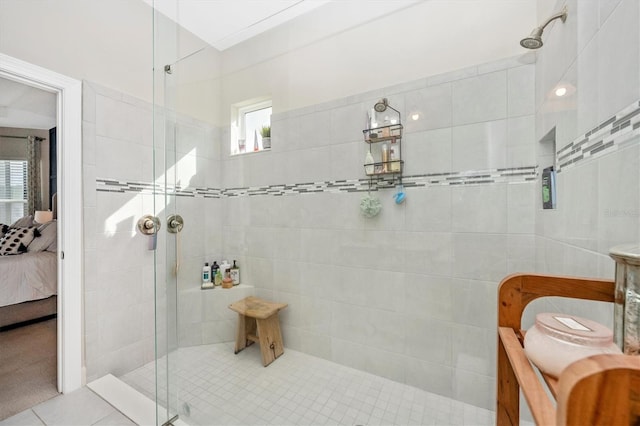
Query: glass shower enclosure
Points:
[185, 151]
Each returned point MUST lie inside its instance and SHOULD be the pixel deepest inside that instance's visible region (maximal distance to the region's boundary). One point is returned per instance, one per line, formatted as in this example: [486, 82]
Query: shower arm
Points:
[562, 15]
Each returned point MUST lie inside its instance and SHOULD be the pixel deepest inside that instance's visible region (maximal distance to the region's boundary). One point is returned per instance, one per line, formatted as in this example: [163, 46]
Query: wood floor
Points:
[27, 367]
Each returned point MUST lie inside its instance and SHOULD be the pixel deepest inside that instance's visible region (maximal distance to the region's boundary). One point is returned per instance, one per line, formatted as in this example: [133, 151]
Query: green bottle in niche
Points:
[235, 273]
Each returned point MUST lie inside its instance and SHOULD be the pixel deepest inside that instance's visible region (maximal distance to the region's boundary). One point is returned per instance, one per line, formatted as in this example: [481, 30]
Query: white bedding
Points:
[28, 276]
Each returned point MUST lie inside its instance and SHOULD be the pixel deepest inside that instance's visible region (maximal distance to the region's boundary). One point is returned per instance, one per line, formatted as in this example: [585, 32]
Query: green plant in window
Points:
[265, 131]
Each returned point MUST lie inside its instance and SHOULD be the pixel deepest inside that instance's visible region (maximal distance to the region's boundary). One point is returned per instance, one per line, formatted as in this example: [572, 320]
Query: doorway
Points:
[69, 187]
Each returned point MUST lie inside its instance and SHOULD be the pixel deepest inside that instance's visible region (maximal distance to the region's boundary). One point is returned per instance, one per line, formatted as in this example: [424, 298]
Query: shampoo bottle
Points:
[235, 273]
[368, 163]
[394, 156]
[206, 274]
[385, 157]
[214, 271]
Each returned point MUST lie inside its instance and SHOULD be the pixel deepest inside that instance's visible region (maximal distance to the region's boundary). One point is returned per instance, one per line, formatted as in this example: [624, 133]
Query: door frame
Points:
[69, 189]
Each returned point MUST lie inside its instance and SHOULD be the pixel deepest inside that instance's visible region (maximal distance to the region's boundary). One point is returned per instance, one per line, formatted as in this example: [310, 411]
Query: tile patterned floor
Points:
[81, 407]
[220, 388]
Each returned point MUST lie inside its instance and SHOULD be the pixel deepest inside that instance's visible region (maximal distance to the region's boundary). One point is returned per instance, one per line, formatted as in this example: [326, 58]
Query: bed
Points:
[28, 280]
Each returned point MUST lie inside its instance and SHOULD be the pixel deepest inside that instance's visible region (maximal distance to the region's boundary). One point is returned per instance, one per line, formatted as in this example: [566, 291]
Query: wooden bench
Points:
[258, 322]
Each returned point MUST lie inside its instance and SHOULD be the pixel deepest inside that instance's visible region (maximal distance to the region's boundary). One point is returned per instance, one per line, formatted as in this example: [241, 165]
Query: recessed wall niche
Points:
[547, 163]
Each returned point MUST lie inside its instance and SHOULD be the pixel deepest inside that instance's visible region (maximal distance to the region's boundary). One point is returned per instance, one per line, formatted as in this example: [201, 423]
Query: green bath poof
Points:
[370, 206]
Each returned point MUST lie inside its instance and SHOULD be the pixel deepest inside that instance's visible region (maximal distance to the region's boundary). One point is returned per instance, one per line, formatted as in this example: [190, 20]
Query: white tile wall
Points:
[596, 51]
[480, 146]
[431, 209]
[587, 85]
[119, 273]
[521, 148]
[521, 93]
[479, 208]
[478, 99]
[617, 44]
[404, 295]
[480, 256]
[521, 208]
[432, 104]
[580, 208]
[619, 199]
[432, 149]
[398, 294]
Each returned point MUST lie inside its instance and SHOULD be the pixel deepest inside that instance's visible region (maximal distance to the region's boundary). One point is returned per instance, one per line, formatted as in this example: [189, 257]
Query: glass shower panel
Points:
[192, 174]
[165, 51]
[186, 175]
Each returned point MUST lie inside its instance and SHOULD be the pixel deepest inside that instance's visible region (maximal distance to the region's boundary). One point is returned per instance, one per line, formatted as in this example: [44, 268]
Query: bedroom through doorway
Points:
[71, 371]
[28, 246]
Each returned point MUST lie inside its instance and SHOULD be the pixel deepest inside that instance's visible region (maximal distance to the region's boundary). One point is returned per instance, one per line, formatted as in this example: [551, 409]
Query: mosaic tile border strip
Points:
[476, 177]
[112, 185]
[607, 137]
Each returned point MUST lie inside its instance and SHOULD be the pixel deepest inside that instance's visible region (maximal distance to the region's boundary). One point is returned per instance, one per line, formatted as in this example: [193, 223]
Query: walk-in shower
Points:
[358, 340]
[534, 40]
[390, 319]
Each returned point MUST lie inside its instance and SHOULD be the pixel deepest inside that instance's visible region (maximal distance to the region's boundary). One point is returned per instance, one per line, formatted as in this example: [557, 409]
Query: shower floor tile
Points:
[216, 387]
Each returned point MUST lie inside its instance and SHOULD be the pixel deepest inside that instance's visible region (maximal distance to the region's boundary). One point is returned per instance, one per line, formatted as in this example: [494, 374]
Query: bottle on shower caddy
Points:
[206, 273]
[206, 276]
[222, 270]
[214, 271]
[217, 279]
[394, 156]
[235, 273]
[227, 282]
[224, 265]
[385, 157]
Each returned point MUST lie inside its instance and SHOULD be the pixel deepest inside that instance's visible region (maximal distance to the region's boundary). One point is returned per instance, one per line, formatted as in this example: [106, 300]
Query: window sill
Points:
[238, 154]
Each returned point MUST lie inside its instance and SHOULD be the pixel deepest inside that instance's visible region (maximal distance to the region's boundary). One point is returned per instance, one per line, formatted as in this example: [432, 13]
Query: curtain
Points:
[33, 175]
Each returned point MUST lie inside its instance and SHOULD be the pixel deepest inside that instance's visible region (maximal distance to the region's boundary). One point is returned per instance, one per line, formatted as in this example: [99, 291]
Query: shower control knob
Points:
[148, 225]
[175, 223]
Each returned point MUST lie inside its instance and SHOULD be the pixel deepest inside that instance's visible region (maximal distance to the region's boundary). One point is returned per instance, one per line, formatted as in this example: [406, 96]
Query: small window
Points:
[252, 124]
[13, 190]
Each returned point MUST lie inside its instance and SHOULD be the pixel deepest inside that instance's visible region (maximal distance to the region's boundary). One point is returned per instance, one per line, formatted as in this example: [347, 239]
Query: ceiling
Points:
[23, 106]
[225, 23]
[220, 23]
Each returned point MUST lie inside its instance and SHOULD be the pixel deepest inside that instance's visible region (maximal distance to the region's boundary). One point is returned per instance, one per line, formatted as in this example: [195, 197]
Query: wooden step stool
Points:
[258, 322]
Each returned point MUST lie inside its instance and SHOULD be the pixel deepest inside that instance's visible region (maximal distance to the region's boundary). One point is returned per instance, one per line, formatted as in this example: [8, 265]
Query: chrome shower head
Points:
[531, 43]
[381, 105]
[534, 41]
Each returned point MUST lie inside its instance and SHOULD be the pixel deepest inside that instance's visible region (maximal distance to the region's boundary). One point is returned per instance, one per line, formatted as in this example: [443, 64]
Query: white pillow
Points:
[53, 247]
[47, 238]
[17, 240]
[23, 222]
